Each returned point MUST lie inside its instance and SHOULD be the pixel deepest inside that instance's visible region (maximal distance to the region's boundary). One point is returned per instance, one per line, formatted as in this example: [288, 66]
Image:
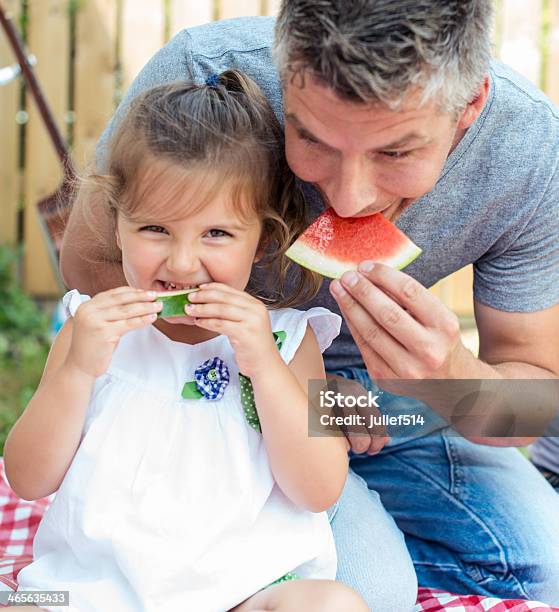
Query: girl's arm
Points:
[311, 471]
[44, 440]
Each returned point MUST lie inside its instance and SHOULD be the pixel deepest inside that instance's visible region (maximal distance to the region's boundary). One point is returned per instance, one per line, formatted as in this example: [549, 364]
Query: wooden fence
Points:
[89, 51]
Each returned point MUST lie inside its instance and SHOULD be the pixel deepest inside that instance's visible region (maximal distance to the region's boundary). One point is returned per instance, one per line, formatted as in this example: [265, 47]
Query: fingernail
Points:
[336, 288]
[152, 294]
[350, 279]
[367, 266]
[189, 307]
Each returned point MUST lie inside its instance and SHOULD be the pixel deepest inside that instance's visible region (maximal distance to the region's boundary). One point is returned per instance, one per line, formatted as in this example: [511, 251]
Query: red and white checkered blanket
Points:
[19, 520]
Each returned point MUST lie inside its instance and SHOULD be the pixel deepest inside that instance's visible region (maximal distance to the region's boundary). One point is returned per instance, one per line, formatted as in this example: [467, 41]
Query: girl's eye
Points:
[153, 228]
[217, 233]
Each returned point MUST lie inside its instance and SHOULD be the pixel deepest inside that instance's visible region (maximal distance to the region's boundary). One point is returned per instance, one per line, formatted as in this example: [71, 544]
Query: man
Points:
[392, 106]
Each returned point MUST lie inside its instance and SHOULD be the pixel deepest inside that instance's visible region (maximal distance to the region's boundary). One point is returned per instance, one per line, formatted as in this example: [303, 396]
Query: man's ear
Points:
[474, 108]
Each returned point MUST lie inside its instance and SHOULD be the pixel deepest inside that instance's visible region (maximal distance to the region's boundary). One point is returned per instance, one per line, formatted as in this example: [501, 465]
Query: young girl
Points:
[178, 447]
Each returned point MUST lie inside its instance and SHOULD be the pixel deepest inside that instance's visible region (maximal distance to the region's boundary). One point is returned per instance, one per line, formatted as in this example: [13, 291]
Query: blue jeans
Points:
[551, 477]
[476, 519]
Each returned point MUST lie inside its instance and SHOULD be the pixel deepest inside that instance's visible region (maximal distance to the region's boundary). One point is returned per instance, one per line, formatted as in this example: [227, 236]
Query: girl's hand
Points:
[239, 316]
[99, 323]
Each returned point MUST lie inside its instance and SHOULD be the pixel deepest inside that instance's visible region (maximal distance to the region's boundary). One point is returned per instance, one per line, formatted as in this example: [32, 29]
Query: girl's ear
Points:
[261, 250]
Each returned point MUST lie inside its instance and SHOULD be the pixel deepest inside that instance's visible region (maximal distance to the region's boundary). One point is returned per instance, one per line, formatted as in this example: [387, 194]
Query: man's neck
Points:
[457, 138]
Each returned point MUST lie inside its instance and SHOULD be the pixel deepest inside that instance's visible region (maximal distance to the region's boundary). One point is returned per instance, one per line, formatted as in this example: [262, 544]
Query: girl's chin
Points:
[180, 320]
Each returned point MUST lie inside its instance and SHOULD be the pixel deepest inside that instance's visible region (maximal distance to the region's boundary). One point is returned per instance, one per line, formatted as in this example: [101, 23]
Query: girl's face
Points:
[169, 245]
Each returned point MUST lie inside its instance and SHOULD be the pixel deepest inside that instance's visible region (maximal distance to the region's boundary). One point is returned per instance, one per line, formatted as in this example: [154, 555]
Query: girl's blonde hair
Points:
[226, 130]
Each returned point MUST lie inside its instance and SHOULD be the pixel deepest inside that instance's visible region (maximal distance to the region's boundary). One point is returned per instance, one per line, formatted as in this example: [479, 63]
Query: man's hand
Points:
[361, 439]
[410, 341]
[401, 329]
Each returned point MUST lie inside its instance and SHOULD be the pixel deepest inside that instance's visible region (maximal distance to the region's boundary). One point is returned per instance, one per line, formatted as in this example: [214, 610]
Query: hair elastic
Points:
[212, 80]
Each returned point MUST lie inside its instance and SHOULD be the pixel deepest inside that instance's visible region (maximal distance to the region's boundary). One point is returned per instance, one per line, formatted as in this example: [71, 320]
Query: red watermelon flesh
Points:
[332, 245]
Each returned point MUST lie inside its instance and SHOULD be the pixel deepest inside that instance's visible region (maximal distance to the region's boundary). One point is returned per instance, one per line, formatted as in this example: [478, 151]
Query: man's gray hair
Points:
[379, 50]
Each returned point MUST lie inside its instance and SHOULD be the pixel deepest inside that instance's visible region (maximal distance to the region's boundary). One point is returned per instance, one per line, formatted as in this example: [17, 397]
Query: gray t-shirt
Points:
[496, 203]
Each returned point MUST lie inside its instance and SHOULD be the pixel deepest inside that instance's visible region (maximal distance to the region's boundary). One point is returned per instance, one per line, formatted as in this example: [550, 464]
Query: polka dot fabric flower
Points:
[212, 378]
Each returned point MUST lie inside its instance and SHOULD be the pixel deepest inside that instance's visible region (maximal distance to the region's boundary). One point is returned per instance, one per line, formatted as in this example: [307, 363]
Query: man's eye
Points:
[217, 233]
[308, 139]
[396, 154]
[153, 228]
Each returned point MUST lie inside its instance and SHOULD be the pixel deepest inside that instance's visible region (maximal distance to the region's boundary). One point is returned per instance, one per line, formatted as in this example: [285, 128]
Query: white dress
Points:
[170, 503]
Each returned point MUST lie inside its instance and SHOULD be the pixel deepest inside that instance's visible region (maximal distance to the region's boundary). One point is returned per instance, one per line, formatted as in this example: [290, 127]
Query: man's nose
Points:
[353, 189]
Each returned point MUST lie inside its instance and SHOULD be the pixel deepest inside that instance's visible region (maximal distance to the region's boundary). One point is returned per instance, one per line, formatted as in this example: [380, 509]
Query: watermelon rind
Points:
[309, 258]
[173, 302]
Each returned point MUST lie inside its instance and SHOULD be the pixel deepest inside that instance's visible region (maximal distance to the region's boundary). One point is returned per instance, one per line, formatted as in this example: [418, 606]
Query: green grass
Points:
[17, 387]
[24, 344]
[18, 381]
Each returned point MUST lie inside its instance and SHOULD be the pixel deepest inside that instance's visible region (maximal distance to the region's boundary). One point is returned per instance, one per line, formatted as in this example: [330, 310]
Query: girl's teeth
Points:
[173, 286]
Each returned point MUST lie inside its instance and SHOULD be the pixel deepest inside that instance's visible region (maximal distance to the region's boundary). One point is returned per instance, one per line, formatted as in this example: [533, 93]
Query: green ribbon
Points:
[247, 392]
[190, 390]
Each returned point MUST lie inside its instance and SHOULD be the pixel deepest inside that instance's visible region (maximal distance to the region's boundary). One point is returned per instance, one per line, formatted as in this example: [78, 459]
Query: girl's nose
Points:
[183, 260]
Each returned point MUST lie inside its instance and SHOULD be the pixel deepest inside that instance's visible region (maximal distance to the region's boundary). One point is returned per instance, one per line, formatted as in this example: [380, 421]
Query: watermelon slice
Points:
[173, 302]
[332, 245]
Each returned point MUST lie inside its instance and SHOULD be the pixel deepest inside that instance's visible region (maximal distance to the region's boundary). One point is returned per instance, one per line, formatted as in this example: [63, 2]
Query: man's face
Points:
[365, 159]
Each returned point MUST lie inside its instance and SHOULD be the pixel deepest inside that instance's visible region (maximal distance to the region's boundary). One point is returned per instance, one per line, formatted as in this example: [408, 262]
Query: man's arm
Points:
[86, 262]
[518, 345]
[406, 335]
